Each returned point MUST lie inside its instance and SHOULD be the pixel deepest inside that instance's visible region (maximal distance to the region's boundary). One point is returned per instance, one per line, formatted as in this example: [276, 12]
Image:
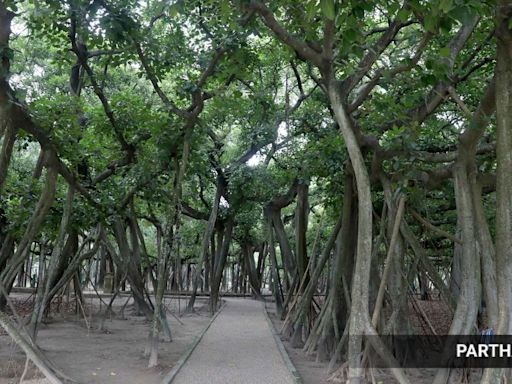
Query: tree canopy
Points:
[315, 147]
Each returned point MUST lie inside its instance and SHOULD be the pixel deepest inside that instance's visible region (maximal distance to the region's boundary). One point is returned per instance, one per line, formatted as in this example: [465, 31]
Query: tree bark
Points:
[503, 179]
[44, 204]
[210, 226]
[359, 313]
[220, 263]
[174, 217]
[301, 227]
[274, 267]
[6, 151]
[42, 297]
[132, 266]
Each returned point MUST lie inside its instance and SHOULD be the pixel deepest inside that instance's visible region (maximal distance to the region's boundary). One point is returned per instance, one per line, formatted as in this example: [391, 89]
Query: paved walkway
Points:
[238, 348]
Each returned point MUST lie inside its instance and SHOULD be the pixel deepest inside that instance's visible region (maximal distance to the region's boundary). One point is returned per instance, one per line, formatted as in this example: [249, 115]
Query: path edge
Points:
[297, 378]
[171, 375]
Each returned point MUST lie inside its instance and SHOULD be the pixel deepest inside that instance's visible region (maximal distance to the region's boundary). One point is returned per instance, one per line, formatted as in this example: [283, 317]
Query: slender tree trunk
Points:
[456, 265]
[426, 264]
[261, 261]
[333, 317]
[8, 274]
[41, 277]
[487, 256]
[274, 267]
[210, 226]
[398, 285]
[250, 266]
[220, 263]
[134, 276]
[172, 227]
[301, 227]
[42, 297]
[394, 246]
[464, 318]
[284, 243]
[102, 270]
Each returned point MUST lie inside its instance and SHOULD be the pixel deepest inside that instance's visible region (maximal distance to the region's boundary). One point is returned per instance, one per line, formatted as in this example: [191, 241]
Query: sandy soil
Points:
[113, 356]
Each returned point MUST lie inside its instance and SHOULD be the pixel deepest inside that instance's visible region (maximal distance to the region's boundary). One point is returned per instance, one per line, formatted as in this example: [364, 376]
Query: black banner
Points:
[461, 351]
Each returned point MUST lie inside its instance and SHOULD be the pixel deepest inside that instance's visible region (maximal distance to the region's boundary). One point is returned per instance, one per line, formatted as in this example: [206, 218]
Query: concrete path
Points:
[237, 348]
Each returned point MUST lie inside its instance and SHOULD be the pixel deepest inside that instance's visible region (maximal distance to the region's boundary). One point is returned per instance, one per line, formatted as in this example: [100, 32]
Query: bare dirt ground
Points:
[112, 356]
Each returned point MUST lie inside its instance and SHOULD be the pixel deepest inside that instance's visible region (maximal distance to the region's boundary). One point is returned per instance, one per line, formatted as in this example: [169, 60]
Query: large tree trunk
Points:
[6, 151]
[360, 323]
[359, 312]
[487, 256]
[7, 127]
[301, 227]
[464, 318]
[503, 179]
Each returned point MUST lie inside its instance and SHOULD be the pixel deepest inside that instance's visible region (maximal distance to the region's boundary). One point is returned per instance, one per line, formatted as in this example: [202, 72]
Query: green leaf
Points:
[429, 79]
[350, 35]
[462, 14]
[327, 7]
[359, 12]
[444, 52]
[429, 22]
[173, 10]
[445, 24]
[403, 15]
[311, 9]
[446, 5]
[393, 7]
